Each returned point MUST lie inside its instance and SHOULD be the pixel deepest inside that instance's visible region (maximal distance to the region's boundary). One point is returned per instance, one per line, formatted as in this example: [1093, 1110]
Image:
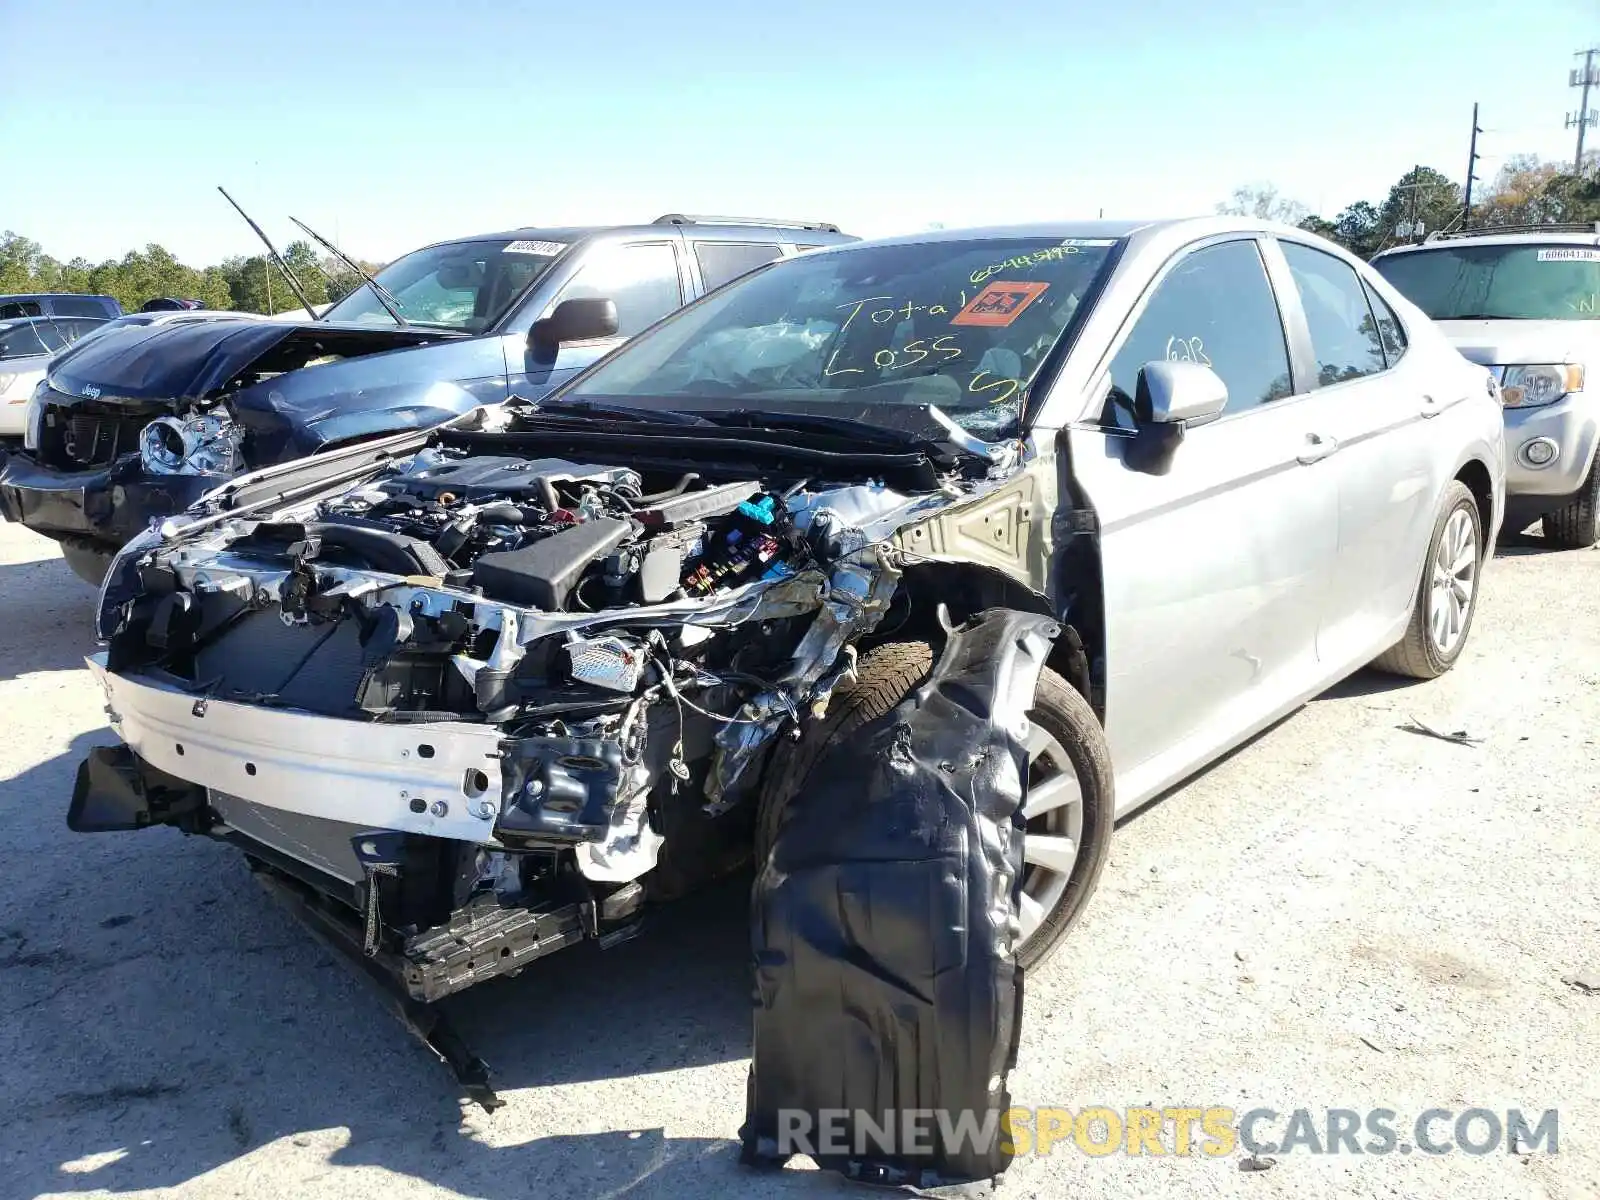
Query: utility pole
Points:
[1584, 78]
[1472, 166]
[1415, 186]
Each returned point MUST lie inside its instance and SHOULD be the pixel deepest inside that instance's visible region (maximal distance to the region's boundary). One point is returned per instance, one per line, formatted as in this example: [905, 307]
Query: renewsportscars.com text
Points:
[1179, 1131]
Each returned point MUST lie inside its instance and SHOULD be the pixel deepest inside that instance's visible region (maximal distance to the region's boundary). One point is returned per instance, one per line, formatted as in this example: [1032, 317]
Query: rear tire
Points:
[1577, 525]
[1422, 653]
[887, 675]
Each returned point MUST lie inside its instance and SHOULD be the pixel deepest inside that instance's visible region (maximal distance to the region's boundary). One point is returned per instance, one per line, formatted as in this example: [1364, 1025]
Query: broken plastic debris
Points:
[1460, 737]
[1257, 1162]
[1587, 982]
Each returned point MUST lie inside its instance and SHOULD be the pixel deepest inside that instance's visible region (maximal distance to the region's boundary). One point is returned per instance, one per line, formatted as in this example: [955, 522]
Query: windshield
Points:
[964, 325]
[459, 285]
[1521, 282]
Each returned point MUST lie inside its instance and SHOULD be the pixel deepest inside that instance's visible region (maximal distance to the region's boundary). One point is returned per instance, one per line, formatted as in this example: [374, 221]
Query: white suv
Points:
[1525, 302]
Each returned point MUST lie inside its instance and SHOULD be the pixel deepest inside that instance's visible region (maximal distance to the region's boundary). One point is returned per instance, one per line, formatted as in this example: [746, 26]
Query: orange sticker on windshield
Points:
[999, 303]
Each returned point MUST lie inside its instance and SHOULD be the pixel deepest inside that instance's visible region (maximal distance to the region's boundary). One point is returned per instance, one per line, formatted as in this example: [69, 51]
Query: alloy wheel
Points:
[1454, 582]
[1053, 811]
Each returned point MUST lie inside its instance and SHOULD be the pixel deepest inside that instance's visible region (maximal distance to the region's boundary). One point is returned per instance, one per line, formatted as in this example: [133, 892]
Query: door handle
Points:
[1430, 407]
[1318, 447]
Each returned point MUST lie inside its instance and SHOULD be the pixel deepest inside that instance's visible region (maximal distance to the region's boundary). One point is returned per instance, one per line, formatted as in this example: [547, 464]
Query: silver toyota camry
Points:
[496, 688]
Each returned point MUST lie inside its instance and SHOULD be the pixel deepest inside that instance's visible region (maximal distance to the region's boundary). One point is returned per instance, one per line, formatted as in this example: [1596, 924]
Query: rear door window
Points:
[641, 277]
[1344, 333]
[79, 306]
[1215, 308]
[722, 261]
[1390, 330]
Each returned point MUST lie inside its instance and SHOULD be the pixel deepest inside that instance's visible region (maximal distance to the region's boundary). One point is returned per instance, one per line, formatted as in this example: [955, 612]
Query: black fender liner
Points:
[117, 790]
[888, 1001]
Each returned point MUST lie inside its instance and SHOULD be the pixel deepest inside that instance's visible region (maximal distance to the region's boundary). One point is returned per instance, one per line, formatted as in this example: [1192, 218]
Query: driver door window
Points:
[1216, 308]
[641, 278]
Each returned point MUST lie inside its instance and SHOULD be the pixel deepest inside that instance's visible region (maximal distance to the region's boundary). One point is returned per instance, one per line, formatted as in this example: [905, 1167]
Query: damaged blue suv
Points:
[141, 422]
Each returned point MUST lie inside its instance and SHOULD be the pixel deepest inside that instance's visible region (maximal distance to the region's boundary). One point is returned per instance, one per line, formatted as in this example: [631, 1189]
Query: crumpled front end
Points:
[520, 697]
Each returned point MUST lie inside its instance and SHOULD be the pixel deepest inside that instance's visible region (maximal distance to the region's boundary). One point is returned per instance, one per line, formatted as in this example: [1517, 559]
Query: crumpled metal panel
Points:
[883, 927]
[998, 528]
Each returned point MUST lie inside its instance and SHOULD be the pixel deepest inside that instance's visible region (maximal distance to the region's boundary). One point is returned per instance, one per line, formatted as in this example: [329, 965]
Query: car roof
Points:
[1165, 230]
[726, 230]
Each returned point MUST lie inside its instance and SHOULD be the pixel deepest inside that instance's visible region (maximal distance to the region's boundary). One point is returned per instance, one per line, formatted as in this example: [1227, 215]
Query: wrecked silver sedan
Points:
[904, 567]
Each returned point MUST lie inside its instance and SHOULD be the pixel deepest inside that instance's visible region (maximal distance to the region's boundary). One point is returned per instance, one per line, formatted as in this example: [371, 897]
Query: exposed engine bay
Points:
[493, 700]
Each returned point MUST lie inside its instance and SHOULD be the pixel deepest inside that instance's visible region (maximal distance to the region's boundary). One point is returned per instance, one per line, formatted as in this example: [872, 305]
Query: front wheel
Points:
[1447, 597]
[1576, 526]
[1069, 806]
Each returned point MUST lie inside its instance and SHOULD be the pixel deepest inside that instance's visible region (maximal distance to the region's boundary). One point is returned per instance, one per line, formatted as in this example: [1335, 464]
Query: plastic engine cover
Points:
[888, 1001]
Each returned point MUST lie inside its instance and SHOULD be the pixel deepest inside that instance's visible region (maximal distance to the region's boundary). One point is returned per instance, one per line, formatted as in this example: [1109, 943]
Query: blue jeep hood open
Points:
[294, 386]
[186, 360]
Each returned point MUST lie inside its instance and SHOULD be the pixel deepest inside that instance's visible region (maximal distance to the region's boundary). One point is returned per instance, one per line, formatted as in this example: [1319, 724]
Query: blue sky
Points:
[404, 122]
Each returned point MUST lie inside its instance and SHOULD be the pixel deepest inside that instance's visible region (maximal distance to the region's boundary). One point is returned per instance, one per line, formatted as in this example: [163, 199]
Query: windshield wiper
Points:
[663, 416]
[1482, 317]
[385, 297]
[821, 423]
[294, 284]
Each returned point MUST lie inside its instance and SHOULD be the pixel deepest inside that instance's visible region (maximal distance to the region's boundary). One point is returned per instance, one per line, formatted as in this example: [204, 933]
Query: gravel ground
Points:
[1342, 914]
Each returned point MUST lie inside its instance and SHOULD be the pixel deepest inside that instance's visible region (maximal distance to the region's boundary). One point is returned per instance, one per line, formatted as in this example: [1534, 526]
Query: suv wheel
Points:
[1577, 526]
[1447, 597]
[1068, 808]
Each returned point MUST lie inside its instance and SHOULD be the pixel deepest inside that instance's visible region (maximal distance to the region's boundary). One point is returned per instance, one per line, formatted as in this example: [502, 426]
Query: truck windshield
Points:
[961, 324]
[457, 285]
[1512, 283]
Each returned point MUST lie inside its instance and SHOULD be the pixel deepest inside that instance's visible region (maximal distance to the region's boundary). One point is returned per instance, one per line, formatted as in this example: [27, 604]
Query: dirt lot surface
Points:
[1343, 914]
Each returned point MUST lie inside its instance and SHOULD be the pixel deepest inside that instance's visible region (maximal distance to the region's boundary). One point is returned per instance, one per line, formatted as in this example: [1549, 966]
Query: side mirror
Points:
[1178, 393]
[1169, 399]
[576, 320]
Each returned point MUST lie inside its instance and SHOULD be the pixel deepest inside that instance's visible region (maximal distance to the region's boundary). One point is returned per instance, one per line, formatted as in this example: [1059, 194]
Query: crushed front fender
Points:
[888, 998]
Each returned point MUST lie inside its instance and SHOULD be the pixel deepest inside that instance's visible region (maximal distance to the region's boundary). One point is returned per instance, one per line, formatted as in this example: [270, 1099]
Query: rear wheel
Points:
[1577, 525]
[1447, 597]
[1068, 808]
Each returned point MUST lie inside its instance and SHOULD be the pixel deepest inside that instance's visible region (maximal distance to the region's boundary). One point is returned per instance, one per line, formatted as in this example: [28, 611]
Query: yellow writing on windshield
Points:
[884, 314]
[1003, 388]
[1022, 262]
[882, 310]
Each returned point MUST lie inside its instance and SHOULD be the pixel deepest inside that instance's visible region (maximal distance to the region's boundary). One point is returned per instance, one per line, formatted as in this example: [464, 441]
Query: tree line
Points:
[241, 283]
[1525, 191]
